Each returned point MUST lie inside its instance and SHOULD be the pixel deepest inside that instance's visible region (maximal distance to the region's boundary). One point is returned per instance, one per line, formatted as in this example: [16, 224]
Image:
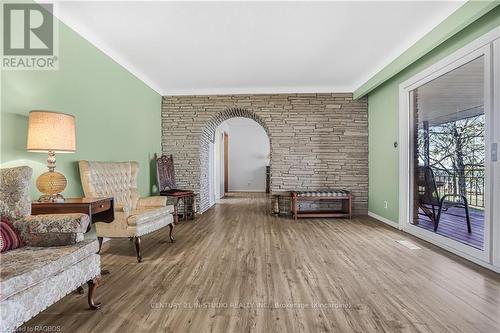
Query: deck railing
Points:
[474, 185]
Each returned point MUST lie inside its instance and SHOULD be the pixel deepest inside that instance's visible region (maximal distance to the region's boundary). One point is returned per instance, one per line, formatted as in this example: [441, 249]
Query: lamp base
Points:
[51, 198]
[51, 184]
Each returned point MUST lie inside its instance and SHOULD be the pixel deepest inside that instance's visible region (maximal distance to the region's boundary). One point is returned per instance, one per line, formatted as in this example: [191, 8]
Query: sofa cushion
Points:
[52, 239]
[48, 223]
[27, 266]
[148, 214]
[52, 229]
[15, 190]
[22, 306]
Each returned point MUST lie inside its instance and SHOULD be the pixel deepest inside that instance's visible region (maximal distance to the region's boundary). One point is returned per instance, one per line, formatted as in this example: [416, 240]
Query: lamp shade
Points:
[51, 131]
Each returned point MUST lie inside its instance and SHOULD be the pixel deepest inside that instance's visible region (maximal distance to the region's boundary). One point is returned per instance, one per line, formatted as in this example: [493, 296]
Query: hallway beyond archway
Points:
[208, 136]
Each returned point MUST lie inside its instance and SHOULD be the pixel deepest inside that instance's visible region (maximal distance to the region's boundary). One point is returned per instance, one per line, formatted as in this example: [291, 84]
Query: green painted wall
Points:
[383, 119]
[118, 117]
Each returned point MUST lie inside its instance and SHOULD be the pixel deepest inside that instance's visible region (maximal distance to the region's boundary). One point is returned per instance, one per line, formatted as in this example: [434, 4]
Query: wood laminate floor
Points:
[239, 269]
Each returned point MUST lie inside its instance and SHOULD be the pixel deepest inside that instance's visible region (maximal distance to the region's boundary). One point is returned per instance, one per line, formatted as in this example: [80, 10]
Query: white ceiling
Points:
[181, 48]
[458, 94]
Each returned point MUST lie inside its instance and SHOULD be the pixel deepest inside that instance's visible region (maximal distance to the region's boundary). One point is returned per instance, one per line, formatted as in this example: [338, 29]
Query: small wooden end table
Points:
[98, 209]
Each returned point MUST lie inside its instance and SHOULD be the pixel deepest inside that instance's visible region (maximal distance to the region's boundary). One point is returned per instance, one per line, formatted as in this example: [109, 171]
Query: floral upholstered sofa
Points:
[54, 260]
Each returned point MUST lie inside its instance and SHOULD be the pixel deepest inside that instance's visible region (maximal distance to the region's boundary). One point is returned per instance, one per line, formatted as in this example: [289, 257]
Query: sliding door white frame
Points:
[496, 164]
[485, 46]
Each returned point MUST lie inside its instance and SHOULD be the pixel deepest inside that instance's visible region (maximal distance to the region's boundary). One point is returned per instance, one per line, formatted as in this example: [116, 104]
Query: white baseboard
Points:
[383, 219]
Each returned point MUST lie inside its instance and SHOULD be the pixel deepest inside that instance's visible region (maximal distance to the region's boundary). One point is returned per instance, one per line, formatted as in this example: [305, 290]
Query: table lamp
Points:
[51, 132]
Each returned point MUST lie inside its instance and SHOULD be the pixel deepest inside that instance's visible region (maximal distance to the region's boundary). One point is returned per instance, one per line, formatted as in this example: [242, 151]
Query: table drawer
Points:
[100, 206]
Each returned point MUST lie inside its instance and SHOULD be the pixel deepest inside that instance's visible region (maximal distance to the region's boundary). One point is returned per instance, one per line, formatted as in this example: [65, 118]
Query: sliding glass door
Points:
[448, 162]
[446, 169]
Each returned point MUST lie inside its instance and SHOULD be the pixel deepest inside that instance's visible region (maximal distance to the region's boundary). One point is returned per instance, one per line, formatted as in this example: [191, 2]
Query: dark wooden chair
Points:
[168, 187]
[429, 199]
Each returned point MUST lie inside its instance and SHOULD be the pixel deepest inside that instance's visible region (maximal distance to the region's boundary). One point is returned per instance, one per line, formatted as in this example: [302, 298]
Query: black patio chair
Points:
[429, 199]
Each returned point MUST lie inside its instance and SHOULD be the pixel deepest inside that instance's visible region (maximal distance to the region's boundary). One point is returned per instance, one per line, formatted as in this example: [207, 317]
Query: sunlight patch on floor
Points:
[408, 244]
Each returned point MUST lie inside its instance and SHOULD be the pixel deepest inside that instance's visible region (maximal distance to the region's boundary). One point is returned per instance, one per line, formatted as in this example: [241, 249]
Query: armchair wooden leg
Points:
[100, 244]
[93, 284]
[171, 235]
[137, 241]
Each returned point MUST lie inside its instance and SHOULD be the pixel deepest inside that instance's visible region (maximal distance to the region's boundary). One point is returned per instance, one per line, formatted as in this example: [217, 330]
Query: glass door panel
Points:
[448, 155]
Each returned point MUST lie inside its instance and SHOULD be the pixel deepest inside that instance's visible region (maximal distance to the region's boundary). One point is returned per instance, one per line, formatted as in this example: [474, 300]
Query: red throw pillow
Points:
[9, 239]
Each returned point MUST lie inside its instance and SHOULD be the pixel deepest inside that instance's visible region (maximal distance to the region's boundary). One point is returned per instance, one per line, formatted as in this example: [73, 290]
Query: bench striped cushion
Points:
[326, 193]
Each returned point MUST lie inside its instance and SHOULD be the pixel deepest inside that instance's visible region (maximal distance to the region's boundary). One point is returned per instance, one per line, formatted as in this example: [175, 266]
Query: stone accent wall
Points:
[318, 141]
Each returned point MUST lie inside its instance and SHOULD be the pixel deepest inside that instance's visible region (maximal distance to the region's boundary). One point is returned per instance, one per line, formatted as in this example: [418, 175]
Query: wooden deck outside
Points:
[455, 226]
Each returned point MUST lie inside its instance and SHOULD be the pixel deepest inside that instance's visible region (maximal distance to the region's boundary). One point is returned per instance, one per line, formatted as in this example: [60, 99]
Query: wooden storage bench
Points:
[330, 195]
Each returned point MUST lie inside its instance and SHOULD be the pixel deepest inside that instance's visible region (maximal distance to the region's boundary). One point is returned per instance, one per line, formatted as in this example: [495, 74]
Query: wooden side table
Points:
[98, 209]
[188, 199]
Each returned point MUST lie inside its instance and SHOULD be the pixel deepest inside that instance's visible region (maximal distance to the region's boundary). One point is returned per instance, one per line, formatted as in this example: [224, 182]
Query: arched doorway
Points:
[208, 136]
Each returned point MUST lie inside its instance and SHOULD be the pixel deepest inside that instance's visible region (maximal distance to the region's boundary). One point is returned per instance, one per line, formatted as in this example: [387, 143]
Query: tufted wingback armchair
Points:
[134, 216]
